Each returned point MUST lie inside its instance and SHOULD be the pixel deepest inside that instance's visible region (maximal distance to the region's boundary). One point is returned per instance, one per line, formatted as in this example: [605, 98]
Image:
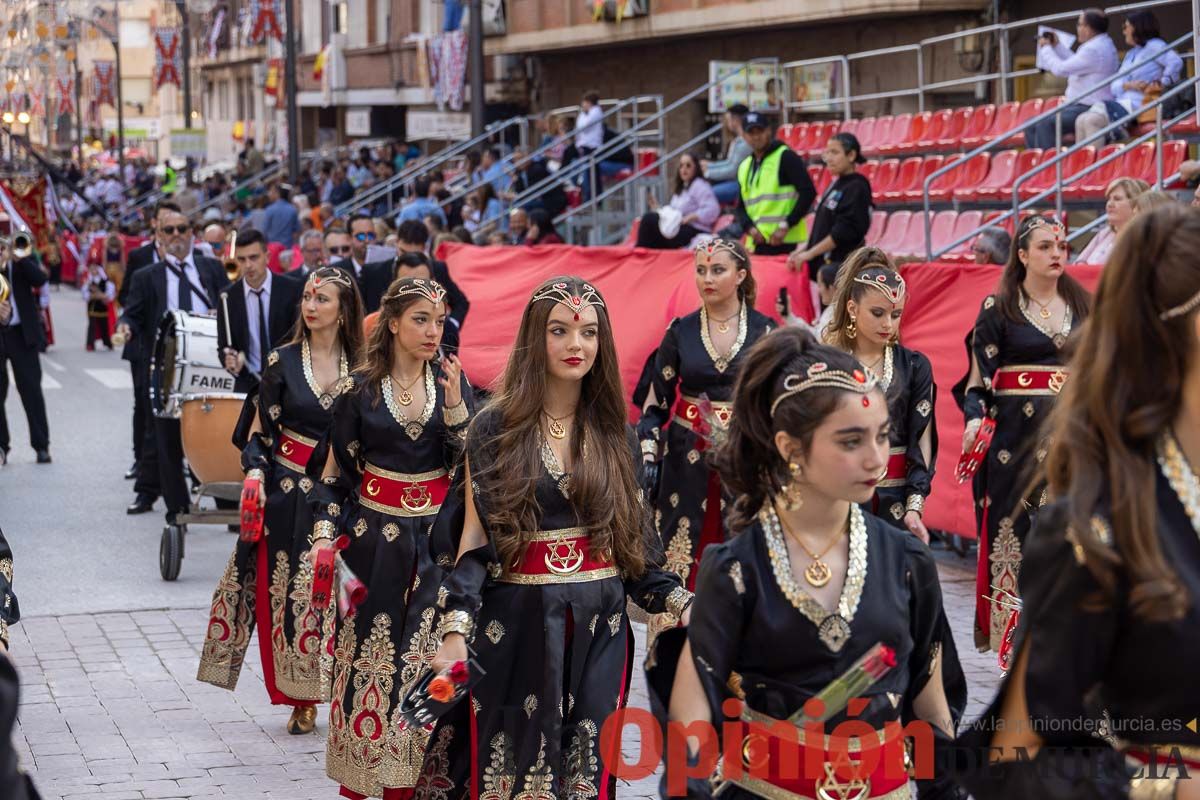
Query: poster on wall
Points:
[812, 83]
[759, 86]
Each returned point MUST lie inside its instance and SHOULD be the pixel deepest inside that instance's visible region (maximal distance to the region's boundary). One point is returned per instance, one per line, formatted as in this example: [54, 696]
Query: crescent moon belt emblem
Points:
[415, 498]
[373, 487]
[563, 557]
[754, 751]
[286, 448]
[1057, 381]
[692, 412]
[1024, 380]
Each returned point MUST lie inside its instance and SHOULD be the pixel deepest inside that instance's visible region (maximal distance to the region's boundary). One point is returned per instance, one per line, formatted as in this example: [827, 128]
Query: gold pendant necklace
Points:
[1043, 308]
[405, 397]
[723, 324]
[818, 572]
[556, 428]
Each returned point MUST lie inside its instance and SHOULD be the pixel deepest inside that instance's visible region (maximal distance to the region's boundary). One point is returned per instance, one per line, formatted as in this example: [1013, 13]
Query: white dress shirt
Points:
[199, 301]
[589, 130]
[15, 319]
[254, 350]
[1095, 62]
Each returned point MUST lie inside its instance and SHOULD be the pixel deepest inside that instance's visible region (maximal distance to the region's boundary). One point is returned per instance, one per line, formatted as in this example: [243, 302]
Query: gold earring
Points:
[852, 328]
[793, 496]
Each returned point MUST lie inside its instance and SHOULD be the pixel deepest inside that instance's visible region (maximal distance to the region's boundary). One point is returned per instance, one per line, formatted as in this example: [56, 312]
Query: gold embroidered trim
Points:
[722, 362]
[291, 434]
[455, 415]
[324, 529]
[405, 477]
[915, 502]
[1059, 338]
[413, 428]
[547, 580]
[324, 399]
[456, 622]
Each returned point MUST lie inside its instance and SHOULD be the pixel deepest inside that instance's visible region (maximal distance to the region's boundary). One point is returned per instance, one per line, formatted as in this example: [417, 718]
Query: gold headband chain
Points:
[1181, 309]
[337, 278]
[561, 293]
[430, 290]
[1038, 221]
[880, 283]
[713, 246]
[820, 376]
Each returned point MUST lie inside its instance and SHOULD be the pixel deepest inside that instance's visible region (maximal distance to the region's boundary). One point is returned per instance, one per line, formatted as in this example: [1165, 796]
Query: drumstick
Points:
[225, 307]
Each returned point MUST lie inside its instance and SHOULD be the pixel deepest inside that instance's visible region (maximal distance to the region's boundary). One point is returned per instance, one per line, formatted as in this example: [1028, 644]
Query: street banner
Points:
[265, 14]
[168, 58]
[103, 84]
[66, 95]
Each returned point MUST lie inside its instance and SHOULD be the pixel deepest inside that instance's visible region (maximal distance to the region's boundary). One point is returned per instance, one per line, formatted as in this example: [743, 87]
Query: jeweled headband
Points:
[560, 292]
[705, 251]
[329, 275]
[1038, 221]
[430, 290]
[819, 375]
[1183, 308]
[883, 280]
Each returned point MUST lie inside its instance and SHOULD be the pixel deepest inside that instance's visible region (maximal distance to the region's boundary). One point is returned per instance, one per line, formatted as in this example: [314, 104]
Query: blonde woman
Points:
[1118, 205]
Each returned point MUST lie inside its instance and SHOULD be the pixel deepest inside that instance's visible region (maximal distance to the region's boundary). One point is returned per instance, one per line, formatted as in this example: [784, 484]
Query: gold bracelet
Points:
[456, 622]
[915, 503]
[649, 447]
[678, 601]
[1161, 787]
[255, 473]
[324, 530]
[455, 415]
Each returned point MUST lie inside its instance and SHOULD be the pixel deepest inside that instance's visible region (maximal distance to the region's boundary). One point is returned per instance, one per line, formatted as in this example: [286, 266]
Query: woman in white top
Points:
[1118, 204]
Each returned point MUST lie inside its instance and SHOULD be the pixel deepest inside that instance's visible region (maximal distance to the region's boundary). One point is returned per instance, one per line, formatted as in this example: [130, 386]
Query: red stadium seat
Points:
[1003, 120]
[849, 126]
[995, 189]
[1028, 110]
[1092, 185]
[889, 141]
[1174, 154]
[866, 130]
[646, 158]
[868, 170]
[906, 178]
[978, 125]
[967, 175]
[935, 129]
[878, 223]
[967, 222]
[1000, 173]
[951, 138]
[1138, 162]
[1052, 103]
[879, 133]
[893, 233]
[885, 177]
[913, 244]
[824, 133]
[928, 167]
[1073, 164]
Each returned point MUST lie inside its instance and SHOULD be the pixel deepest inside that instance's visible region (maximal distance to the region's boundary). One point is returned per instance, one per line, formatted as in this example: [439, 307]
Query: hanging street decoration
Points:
[168, 58]
[265, 14]
[102, 84]
[66, 95]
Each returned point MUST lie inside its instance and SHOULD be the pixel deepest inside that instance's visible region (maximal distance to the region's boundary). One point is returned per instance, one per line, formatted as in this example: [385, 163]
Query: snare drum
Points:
[206, 427]
[186, 362]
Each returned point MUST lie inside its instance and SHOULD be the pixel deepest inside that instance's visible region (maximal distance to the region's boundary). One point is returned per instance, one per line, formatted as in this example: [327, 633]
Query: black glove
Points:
[651, 470]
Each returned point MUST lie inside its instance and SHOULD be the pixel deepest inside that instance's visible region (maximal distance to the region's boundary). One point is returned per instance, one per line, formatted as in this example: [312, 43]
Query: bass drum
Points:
[185, 362]
[206, 427]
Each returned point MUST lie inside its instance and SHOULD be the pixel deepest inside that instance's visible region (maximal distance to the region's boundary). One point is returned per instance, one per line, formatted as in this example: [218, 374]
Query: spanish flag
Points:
[319, 63]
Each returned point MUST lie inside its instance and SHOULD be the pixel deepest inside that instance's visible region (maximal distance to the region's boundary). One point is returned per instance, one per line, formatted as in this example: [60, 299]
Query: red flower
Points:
[440, 689]
[459, 673]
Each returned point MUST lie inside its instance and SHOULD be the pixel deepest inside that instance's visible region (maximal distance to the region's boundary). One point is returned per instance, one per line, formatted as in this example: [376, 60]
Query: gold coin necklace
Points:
[556, 428]
[405, 398]
[818, 572]
[1043, 308]
[723, 324]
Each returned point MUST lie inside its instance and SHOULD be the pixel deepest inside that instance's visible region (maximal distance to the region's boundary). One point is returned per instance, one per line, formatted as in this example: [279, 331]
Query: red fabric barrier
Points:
[644, 289]
[943, 301]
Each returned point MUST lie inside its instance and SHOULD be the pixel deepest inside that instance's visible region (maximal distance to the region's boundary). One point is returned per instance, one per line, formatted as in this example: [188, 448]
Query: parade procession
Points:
[568, 399]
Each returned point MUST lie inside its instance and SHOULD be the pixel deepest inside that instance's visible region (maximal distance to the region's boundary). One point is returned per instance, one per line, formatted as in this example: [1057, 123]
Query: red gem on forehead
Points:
[866, 401]
[859, 376]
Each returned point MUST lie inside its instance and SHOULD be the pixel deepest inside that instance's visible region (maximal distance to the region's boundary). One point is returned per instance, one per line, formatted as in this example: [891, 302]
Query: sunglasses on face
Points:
[342, 250]
[171, 230]
[365, 237]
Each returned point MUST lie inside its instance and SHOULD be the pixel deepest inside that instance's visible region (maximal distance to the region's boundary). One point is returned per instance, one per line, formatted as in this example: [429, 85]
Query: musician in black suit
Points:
[372, 278]
[184, 281]
[258, 311]
[413, 237]
[22, 340]
[140, 258]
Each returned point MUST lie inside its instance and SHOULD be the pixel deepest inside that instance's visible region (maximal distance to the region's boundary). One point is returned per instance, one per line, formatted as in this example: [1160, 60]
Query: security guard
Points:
[776, 191]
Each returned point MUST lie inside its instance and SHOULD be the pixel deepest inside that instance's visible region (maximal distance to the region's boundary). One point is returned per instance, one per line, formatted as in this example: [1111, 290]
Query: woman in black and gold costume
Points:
[698, 357]
[269, 582]
[809, 569]
[1016, 371]
[554, 539]
[1111, 579]
[866, 324]
[397, 433]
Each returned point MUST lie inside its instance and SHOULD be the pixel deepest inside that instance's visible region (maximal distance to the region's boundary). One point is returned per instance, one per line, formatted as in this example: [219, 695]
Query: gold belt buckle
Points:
[416, 498]
[563, 563]
[1057, 380]
[832, 788]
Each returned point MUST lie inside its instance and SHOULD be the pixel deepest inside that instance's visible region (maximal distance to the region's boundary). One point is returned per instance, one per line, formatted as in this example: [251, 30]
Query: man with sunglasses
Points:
[180, 280]
[373, 278]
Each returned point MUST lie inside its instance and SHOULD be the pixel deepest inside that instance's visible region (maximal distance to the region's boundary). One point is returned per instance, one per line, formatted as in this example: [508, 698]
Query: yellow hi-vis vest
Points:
[766, 201]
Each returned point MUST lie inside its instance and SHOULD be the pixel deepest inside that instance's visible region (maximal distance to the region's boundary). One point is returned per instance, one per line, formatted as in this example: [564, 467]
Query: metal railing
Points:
[1020, 128]
[258, 178]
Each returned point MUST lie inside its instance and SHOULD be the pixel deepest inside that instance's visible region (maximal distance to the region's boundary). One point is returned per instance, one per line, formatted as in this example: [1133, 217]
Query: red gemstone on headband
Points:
[576, 301]
[859, 376]
[866, 401]
[817, 368]
[881, 278]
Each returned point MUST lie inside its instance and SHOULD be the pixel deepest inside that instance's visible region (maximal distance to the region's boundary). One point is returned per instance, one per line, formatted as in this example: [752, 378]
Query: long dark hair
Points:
[1126, 389]
[604, 489]
[350, 312]
[749, 462]
[680, 186]
[376, 362]
[1011, 289]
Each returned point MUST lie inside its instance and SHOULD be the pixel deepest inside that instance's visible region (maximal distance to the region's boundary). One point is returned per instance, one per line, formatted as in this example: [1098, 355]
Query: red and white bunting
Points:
[168, 58]
[103, 90]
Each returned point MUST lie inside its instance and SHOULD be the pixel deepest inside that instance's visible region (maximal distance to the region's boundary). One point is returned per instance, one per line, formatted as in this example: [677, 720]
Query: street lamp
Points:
[112, 35]
[22, 117]
[9, 117]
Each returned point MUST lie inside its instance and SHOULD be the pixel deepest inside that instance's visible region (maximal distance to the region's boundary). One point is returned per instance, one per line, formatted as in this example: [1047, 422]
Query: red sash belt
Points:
[1029, 380]
[776, 767]
[401, 495]
[561, 556]
[294, 450]
[687, 411]
[897, 469]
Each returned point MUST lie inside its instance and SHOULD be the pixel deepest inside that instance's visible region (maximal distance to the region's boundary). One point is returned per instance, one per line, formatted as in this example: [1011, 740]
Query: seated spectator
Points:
[425, 204]
[1153, 71]
[529, 173]
[494, 171]
[541, 228]
[472, 214]
[1092, 64]
[991, 246]
[1152, 199]
[341, 190]
[490, 209]
[693, 201]
[843, 214]
[1118, 205]
[723, 174]
[518, 225]
[495, 238]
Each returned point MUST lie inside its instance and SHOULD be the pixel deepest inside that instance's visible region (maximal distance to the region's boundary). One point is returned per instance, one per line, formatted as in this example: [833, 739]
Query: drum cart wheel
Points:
[170, 551]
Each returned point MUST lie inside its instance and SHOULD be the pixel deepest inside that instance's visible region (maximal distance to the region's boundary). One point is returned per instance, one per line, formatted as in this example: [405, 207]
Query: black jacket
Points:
[26, 275]
[282, 311]
[372, 283]
[148, 301]
[378, 276]
[792, 172]
[554, 200]
[139, 257]
[843, 212]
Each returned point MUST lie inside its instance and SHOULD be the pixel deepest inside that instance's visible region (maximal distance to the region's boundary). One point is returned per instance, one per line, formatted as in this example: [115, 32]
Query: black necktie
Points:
[264, 340]
[184, 293]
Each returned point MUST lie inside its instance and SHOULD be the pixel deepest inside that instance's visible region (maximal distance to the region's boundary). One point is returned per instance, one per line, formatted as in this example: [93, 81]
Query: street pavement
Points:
[107, 650]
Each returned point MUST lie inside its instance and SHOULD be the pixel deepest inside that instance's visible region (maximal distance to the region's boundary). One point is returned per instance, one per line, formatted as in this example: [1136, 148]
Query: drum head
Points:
[162, 367]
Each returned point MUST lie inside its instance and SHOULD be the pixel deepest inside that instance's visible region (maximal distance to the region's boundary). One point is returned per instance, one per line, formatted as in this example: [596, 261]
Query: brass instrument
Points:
[232, 271]
[22, 245]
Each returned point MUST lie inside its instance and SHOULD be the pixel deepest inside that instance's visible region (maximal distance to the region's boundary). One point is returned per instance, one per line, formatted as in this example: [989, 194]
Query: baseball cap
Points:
[753, 120]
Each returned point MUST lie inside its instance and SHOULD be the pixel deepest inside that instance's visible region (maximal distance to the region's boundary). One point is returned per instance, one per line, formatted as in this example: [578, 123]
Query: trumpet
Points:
[22, 245]
[231, 266]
